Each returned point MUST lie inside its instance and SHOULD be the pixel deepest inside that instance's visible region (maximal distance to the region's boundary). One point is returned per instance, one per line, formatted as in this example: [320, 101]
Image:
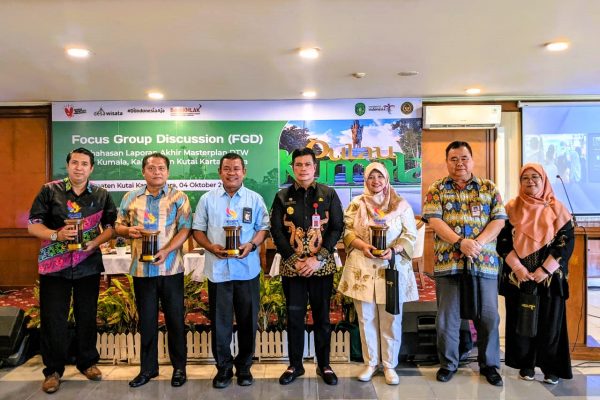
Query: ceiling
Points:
[245, 49]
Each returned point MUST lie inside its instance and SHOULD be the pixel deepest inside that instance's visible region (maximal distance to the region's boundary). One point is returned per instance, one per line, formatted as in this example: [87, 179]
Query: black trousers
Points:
[298, 291]
[226, 299]
[169, 289]
[55, 301]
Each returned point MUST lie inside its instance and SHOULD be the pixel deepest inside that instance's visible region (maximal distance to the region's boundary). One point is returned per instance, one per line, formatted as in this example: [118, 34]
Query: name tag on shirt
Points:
[316, 221]
[247, 215]
[475, 209]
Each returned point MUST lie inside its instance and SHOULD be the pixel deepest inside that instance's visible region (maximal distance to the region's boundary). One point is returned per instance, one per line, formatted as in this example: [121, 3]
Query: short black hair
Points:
[304, 152]
[457, 144]
[81, 150]
[231, 156]
[157, 155]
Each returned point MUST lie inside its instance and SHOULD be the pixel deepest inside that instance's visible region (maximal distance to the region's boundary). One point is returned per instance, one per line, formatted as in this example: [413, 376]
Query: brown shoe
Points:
[51, 383]
[93, 373]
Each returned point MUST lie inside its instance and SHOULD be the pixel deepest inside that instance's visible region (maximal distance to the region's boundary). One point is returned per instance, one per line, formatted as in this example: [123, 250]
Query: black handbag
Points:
[469, 292]
[392, 292]
[528, 311]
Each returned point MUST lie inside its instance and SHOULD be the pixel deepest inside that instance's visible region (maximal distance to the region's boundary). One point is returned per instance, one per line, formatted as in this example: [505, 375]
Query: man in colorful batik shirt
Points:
[233, 279]
[157, 206]
[466, 214]
[65, 273]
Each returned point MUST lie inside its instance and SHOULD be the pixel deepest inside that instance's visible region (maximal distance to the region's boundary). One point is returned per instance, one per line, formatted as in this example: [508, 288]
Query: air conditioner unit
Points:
[462, 117]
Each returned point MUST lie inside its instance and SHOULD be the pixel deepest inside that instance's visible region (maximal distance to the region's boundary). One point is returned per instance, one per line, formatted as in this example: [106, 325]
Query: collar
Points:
[473, 183]
[312, 185]
[144, 191]
[69, 185]
[221, 191]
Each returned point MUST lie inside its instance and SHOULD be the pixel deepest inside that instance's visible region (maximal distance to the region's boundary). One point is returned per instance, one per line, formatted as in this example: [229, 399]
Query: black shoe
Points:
[492, 376]
[329, 377]
[223, 378]
[290, 375]
[444, 375]
[178, 378]
[244, 378]
[526, 374]
[550, 379]
[142, 379]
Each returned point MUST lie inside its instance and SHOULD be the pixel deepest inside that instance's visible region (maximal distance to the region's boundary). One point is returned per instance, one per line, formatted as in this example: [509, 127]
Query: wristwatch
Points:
[320, 257]
[254, 246]
[54, 236]
[457, 243]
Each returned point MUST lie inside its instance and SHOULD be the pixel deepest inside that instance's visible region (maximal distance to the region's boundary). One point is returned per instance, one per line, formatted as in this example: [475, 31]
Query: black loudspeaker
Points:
[418, 330]
[419, 338]
[11, 330]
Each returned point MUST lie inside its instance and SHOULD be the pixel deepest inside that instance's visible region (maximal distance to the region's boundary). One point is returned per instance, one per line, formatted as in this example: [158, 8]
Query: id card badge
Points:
[247, 215]
[316, 221]
[475, 210]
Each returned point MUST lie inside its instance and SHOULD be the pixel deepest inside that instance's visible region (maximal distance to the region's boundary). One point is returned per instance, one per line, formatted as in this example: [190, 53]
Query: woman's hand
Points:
[367, 250]
[539, 275]
[386, 255]
[522, 274]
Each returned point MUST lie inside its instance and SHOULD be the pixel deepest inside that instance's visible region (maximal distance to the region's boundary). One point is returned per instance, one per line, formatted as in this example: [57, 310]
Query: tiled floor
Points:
[416, 382]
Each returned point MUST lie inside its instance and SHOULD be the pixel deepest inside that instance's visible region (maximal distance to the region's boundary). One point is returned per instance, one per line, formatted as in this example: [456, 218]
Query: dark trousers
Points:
[55, 301]
[169, 289]
[226, 299]
[316, 290]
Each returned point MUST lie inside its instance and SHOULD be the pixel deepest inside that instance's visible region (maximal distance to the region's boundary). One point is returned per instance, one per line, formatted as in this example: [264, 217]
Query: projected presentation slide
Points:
[566, 141]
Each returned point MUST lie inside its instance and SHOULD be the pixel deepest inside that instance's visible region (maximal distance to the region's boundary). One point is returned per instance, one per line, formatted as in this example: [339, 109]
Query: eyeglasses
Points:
[533, 178]
[159, 169]
[462, 160]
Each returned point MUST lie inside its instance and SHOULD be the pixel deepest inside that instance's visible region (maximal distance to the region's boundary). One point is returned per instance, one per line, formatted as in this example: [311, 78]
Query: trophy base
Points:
[377, 252]
[234, 252]
[147, 258]
[74, 246]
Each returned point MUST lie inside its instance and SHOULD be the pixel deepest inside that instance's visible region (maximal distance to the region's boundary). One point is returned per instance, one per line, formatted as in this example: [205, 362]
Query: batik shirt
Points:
[167, 212]
[57, 202]
[291, 222]
[467, 212]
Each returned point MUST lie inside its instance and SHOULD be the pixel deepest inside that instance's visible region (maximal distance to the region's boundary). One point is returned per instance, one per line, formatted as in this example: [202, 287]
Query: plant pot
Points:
[121, 251]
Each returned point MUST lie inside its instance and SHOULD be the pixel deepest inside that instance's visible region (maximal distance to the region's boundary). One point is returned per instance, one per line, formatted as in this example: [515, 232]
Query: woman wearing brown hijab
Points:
[536, 245]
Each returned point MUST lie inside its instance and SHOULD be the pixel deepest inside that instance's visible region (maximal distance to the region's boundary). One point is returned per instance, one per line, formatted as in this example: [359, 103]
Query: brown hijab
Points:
[385, 204]
[536, 220]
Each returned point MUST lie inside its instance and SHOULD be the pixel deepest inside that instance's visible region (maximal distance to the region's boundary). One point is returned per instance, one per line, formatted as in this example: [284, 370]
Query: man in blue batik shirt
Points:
[158, 207]
[233, 281]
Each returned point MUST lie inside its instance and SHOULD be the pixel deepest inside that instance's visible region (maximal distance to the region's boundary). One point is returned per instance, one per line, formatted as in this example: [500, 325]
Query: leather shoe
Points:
[93, 373]
[178, 378]
[290, 375]
[245, 378]
[444, 375]
[51, 383]
[329, 377]
[142, 379]
[223, 378]
[492, 376]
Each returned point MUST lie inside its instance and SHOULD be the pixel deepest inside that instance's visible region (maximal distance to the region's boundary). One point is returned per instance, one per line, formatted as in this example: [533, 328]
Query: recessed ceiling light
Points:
[359, 75]
[473, 91]
[312, 52]
[556, 46]
[408, 73]
[78, 52]
[309, 93]
[156, 95]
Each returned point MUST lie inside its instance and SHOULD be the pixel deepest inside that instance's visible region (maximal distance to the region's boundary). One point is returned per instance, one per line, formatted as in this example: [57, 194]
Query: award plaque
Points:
[149, 245]
[232, 239]
[77, 242]
[378, 238]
